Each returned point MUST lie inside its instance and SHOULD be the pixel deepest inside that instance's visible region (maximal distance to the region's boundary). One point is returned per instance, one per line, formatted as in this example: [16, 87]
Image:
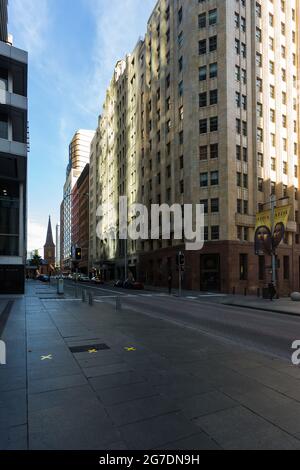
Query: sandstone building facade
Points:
[205, 110]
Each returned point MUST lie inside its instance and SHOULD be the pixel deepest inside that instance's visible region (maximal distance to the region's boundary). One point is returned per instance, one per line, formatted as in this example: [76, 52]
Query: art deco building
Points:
[79, 155]
[13, 161]
[205, 110]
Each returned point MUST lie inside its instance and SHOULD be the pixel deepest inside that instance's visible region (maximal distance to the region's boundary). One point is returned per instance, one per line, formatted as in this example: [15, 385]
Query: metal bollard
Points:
[83, 295]
[118, 304]
[91, 299]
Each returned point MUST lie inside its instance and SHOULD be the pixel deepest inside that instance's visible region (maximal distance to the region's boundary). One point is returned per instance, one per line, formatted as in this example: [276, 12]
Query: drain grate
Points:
[89, 347]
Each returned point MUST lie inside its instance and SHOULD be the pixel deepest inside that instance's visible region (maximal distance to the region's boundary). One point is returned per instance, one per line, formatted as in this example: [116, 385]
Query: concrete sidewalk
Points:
[81, 377]
[284, 306]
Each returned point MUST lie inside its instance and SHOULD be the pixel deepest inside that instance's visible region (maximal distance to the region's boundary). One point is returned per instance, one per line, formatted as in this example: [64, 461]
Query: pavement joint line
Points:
[159, 415]
[267, 420]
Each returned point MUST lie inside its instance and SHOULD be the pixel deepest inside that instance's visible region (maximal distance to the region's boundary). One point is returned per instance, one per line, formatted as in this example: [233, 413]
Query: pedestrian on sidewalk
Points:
[272, 291]
[170, 281]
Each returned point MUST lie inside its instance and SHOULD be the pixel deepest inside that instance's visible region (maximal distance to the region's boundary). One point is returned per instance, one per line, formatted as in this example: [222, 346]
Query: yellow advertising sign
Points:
[268, 238]
[281, 217]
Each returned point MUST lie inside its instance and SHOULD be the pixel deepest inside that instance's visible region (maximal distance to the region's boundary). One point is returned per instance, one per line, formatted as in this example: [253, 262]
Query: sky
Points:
[73, 46]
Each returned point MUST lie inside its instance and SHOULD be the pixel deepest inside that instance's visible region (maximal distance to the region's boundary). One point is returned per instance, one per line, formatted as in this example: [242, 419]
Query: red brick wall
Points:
[154, 268]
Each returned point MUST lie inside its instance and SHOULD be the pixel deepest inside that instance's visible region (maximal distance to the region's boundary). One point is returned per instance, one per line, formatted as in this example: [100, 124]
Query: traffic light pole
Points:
[180, 263]
[180, 281]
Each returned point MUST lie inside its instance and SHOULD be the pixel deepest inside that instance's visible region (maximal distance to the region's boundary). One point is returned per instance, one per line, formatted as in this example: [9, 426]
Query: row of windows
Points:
[211, 205]
[211, 178]
[213, 125]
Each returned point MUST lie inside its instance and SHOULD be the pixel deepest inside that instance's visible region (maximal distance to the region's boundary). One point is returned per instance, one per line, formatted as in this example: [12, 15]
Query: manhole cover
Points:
[89, 347]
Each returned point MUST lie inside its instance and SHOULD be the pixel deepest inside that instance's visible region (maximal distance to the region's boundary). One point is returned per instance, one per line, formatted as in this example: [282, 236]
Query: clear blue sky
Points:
[73, 46]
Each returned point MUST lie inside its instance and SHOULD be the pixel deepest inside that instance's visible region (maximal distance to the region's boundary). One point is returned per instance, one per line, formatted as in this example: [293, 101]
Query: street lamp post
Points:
[273, 206]
[273, 201]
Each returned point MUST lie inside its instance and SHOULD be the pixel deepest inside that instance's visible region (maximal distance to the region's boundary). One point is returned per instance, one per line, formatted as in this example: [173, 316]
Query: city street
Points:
[261, 331]
[161, 373]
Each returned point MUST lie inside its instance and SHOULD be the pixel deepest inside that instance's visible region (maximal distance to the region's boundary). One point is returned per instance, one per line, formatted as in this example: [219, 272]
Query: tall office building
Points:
[13, 161]
[213, 92]
[80, 219]
[79, 156]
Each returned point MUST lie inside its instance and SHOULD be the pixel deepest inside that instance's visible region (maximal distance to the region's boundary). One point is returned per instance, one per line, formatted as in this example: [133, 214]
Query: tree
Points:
[36, 260]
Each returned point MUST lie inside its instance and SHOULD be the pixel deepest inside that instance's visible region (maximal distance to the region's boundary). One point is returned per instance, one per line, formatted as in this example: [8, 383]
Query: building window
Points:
[204, 180]
[214, 178]
[214, 205]
[213, 124]
[213, 97]
[203, 152]
[213, 43]
[215, 232]
[202, 73]
[203, 100]
[3, 126]
[214, 151]
[213, 70]
[203, 126]
[202, 47]
[202, 20]
[204, 203]
[213, 17]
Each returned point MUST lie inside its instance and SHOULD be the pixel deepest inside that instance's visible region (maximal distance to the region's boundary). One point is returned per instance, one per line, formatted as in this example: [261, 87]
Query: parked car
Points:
[128, 284]
[84, 279]
[43, 278]
[138, 286]
[97, 280]
[134, 285]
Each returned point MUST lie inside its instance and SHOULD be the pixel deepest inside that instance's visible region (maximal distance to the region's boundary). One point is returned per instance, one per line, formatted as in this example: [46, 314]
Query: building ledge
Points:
[12, 100]
[11, 260]
[13, 148]
[245, 220]
[13, 53]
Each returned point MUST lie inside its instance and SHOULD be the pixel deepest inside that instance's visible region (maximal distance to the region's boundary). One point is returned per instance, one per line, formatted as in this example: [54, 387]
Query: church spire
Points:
[49, 239]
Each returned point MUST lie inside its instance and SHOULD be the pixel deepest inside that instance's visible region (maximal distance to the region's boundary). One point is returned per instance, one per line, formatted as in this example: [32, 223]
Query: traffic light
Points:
[78, 254]
[180, 259]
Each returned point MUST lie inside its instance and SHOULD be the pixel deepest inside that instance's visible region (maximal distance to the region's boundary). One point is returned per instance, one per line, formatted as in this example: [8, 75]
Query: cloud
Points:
[30, 19]
[36, 236]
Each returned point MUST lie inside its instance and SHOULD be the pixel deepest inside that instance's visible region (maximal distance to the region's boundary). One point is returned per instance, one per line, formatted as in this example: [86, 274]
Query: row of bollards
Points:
[90, 297]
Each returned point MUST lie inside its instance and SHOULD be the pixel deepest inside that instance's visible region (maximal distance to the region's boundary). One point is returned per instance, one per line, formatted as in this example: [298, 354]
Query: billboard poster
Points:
[267, 241]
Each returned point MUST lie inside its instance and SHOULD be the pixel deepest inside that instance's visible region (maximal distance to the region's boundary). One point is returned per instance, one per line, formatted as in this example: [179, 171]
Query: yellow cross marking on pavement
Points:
[92, 351]
[47, 358]
[130, 349]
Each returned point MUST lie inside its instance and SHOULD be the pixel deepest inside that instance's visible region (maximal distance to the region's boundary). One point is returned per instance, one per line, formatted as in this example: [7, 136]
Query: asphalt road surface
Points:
[266, 332]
